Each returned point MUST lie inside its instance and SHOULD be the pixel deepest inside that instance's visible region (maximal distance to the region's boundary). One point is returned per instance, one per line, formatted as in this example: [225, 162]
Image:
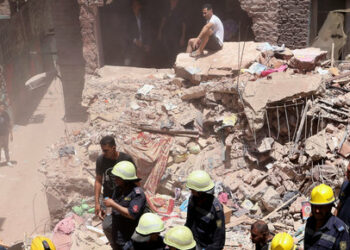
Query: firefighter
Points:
[205, 215]
[147, 234]
[282, 241]
[324, 230]
[42, 243]
[128, 203]
[179, 237]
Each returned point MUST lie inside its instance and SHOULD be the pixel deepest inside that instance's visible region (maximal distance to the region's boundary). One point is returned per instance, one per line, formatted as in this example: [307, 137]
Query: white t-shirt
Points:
[218, 28]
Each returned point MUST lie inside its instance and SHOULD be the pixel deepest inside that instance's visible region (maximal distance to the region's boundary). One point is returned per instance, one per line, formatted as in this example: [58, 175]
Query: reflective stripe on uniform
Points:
[328, 237]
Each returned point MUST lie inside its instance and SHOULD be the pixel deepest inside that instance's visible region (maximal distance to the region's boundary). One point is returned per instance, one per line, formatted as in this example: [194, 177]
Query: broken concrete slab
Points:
[271, 199]
[266, 145]
[281, 88]
[316, 146]
[215, 65]
[307, 59]
[193, 93]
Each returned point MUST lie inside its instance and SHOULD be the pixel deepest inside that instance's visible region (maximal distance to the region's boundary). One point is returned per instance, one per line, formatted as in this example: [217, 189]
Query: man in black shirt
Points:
[261, 235]
[104, 165]
[5, 132]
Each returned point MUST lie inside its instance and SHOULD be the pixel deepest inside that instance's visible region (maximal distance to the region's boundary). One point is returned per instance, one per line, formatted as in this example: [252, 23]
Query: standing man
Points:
[128, 203]
[261, 235]
[211, 36]
[5, 132]
[138, 40]
[323, 230]
[343, 209]
[104, 165]
[205, 216]
[172, 30]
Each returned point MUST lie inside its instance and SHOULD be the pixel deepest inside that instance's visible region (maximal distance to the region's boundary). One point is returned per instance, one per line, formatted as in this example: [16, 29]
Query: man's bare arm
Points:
[98, 188]
[205, 30]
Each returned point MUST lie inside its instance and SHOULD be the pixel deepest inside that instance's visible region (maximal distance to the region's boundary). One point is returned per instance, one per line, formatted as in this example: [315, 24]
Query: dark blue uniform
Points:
[207, 223]
[333, 235]
[134, 244]
[123, 227]
[344, 198]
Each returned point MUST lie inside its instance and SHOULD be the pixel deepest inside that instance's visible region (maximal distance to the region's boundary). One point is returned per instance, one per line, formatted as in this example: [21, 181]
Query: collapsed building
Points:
[77, 37]
[266, 122]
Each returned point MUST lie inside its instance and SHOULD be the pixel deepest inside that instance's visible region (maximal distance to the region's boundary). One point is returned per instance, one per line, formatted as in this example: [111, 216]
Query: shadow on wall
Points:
[70, 62]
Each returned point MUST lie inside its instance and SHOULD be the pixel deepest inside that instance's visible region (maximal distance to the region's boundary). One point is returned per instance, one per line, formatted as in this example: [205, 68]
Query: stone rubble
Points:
[258, 161]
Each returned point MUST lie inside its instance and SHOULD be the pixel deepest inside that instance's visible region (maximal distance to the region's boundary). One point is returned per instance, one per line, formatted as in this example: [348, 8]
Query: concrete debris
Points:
[316, 146]
[219, 64]
[283, 87]
[253, 135]
[307, 59]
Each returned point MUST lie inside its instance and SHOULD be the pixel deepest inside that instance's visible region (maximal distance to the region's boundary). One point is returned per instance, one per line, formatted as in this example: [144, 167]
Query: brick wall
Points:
[279, 21]
[20, 49]
[5, 8]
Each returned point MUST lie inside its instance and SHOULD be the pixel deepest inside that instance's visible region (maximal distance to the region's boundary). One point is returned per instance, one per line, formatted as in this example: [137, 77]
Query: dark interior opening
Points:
[117, 23]
[324, 7]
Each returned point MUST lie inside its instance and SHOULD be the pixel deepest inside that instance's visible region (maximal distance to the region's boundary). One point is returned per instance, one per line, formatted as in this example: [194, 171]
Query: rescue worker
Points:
[205, 215]
[179, 237]
[104, 165]
[283, 241]
[128, 203]
[42, 243]
[324, 230]
[343, 209]
[261, 235]
[147, 234]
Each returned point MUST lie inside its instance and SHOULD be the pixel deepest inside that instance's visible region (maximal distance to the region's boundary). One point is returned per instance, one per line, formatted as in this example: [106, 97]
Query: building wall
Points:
[21, 40]
[279, 21]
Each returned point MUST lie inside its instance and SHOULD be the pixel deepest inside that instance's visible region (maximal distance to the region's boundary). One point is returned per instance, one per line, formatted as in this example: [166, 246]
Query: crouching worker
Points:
[128, 203]
[205, 215]
[147, 234]
[283, 241]
[179, 238]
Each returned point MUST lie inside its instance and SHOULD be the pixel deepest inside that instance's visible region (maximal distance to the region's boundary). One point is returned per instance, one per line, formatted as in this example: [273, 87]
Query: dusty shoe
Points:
[196, 53]
[8, 163]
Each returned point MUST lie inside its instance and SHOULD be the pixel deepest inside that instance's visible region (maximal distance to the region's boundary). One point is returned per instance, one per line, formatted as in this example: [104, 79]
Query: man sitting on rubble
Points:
[343, 209]
[128, 203]
[323, 230]
[211, 36]
[205, 216]
[104, 165]
[147, 234]
[261, 235]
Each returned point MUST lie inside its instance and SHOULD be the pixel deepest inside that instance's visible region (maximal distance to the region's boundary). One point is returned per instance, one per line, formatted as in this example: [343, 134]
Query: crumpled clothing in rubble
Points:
[65, 226]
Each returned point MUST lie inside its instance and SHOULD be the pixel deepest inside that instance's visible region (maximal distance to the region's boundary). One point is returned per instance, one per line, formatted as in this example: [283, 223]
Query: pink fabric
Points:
[270, 71]
[62, 238]
[65, 226]
[223, 198]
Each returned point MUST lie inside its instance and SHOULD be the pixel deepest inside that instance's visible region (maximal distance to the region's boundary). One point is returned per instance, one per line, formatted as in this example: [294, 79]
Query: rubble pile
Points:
[267, 130]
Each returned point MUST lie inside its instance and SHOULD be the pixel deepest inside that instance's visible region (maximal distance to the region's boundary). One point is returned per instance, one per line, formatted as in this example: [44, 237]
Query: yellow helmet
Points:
[150, 223]
[282, 241]
[42, 243]
[322, 195]
[199, 181]
[180, 237]
[125, 170]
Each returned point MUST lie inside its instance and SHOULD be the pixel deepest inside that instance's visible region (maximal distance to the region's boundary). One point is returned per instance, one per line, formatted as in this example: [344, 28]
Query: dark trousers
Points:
[4, 144]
